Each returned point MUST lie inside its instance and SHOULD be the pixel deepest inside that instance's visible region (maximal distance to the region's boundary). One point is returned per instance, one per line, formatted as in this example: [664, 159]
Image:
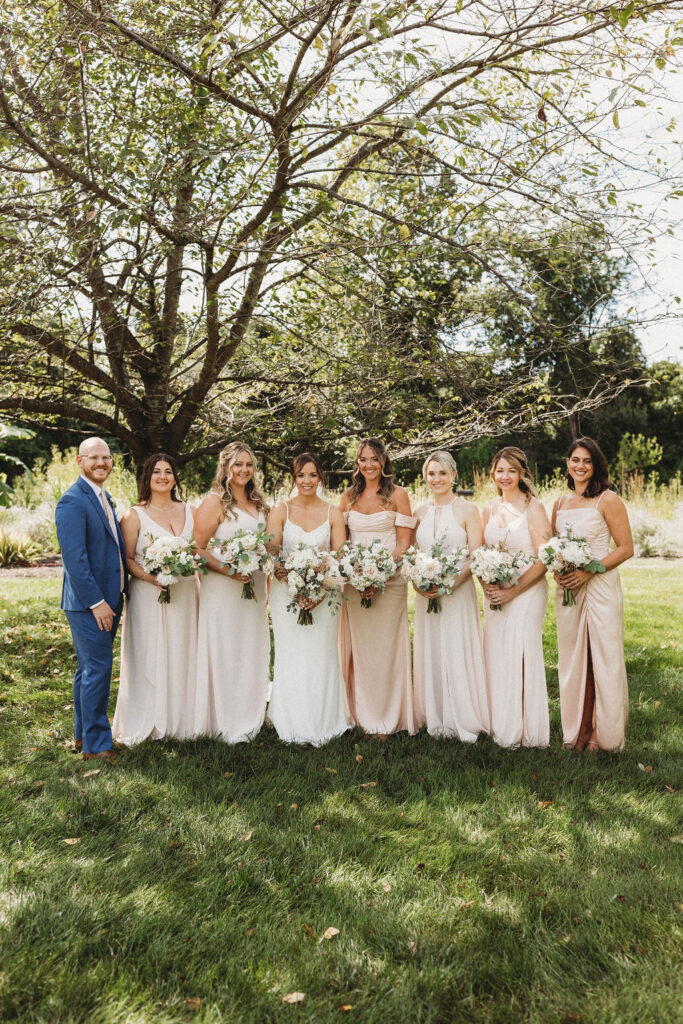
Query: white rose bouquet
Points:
[493, 564]
[435, 568]
[169, 558]
[312, 575]
[564, 553]
[243, 554]
[365, 567]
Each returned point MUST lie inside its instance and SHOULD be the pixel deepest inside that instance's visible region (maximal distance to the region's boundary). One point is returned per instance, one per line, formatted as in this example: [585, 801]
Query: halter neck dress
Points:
[595, 622]
[448, 655]
[374, 642]
[307, 699]
[158, 651]
[233, 655]
[513, 649]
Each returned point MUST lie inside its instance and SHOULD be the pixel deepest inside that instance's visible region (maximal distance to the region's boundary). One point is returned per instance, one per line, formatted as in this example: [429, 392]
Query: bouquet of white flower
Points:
[365, 567]
[564, 553]
[312, 574]
[493, 564]
[243, 554]
[434, 568]
[169, 558]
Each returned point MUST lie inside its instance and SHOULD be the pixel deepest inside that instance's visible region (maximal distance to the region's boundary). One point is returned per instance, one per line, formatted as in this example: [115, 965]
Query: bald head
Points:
[94, 460]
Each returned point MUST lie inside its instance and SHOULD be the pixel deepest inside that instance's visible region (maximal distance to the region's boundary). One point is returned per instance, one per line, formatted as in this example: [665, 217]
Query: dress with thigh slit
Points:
[596, 620]
[513, 650]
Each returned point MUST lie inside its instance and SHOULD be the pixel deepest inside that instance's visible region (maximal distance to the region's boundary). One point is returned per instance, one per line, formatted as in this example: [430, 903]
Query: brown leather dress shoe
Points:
[100, 753]
[78, 746]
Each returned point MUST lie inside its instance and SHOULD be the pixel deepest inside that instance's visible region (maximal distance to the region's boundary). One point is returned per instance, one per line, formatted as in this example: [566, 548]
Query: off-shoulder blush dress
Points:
[595, 619]
[374, 643]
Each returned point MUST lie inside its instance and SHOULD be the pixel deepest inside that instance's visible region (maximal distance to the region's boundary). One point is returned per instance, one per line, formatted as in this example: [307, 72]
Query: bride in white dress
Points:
[233, 644]
[307, 700]
[159, 641]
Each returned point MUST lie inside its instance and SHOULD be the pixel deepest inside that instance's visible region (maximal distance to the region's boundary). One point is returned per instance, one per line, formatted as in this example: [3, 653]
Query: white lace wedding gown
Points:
[307, 701]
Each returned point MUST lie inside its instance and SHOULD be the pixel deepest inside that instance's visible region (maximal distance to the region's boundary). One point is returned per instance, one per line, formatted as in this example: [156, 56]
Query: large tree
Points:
[170, 170]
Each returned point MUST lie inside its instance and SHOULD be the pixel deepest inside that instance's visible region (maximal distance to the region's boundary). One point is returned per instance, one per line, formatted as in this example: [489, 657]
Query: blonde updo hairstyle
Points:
[443, 459]
[518, 460]
[221, 481]
[386, 481]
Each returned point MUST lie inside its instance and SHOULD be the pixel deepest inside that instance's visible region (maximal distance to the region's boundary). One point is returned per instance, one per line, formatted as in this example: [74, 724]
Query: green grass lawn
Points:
[467, 883]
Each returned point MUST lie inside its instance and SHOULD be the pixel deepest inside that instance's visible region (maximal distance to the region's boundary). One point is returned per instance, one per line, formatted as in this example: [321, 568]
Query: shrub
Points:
[16, 548]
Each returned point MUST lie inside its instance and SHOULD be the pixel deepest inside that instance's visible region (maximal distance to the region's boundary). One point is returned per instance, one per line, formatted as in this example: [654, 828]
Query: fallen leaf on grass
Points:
[250, 931]
[386, 886]
[359, 758]
[645, 767]
[19, 864]
[676, 839]
[193, 1003]
[330, 933]
[412, 947]
[71, 842]
[468, 904]
[309, 930]
[294, 807]
[368, 785]
[316, 828]
[38, 784]
[345, 1007]
[544, 803]
[294, 997]
[226, 775]
[247, 836]
[93, 771]
[332, 771]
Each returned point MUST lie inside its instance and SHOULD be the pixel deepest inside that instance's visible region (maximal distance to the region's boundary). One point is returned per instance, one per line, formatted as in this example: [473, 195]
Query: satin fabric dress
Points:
[448, 654]
[374, 642]
[597, 617]
[513, 650]
[233, 650]
[307, 699]
[158, 652]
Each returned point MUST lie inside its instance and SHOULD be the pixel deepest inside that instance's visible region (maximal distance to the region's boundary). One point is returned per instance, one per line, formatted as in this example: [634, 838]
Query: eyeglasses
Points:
[98, 458]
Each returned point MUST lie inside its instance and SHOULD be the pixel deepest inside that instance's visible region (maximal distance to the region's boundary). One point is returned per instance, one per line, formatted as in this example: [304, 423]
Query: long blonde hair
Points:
[221, 481]
[443, 459]
[386, 480]
[518, 461]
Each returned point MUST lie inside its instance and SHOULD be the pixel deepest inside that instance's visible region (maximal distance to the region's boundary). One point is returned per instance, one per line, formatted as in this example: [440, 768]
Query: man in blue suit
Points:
[95, 577]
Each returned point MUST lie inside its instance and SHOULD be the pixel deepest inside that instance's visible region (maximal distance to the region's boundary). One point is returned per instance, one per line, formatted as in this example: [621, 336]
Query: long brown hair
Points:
[600, 480]
[518, 460]
[299, 461]
[145, 484]
[221, 481]
[386, 480]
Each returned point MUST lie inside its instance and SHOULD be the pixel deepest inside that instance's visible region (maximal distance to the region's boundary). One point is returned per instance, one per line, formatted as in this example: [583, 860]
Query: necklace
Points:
[161, 508]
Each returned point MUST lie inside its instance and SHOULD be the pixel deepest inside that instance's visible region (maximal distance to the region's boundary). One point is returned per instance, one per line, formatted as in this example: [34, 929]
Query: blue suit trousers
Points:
[92, 680]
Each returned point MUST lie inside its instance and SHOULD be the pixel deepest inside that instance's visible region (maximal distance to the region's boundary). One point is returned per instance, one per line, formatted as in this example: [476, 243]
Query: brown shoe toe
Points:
[100, 753]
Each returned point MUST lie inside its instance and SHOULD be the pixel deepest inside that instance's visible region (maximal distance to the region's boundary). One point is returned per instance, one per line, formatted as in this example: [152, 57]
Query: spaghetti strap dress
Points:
[158, 651]
[513, 651]
[595, 621]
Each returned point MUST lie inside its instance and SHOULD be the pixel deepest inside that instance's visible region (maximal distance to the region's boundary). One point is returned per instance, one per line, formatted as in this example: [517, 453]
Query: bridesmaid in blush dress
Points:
[375, 642]
[159, 641]
[590, 636]
[307, 701]
[448, 655]
[513, 633]
[233, 644]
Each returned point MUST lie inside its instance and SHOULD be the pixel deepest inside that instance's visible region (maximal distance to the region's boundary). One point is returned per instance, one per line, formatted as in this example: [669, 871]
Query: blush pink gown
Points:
[374, 643]
[597, 617]
[513, 650]
[448, 655]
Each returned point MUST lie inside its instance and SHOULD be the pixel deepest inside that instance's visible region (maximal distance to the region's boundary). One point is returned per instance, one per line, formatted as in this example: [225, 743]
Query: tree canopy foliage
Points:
[253, 217]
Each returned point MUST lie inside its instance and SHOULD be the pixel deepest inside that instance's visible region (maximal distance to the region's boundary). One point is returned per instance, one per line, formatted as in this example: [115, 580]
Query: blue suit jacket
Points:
[89, 554]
